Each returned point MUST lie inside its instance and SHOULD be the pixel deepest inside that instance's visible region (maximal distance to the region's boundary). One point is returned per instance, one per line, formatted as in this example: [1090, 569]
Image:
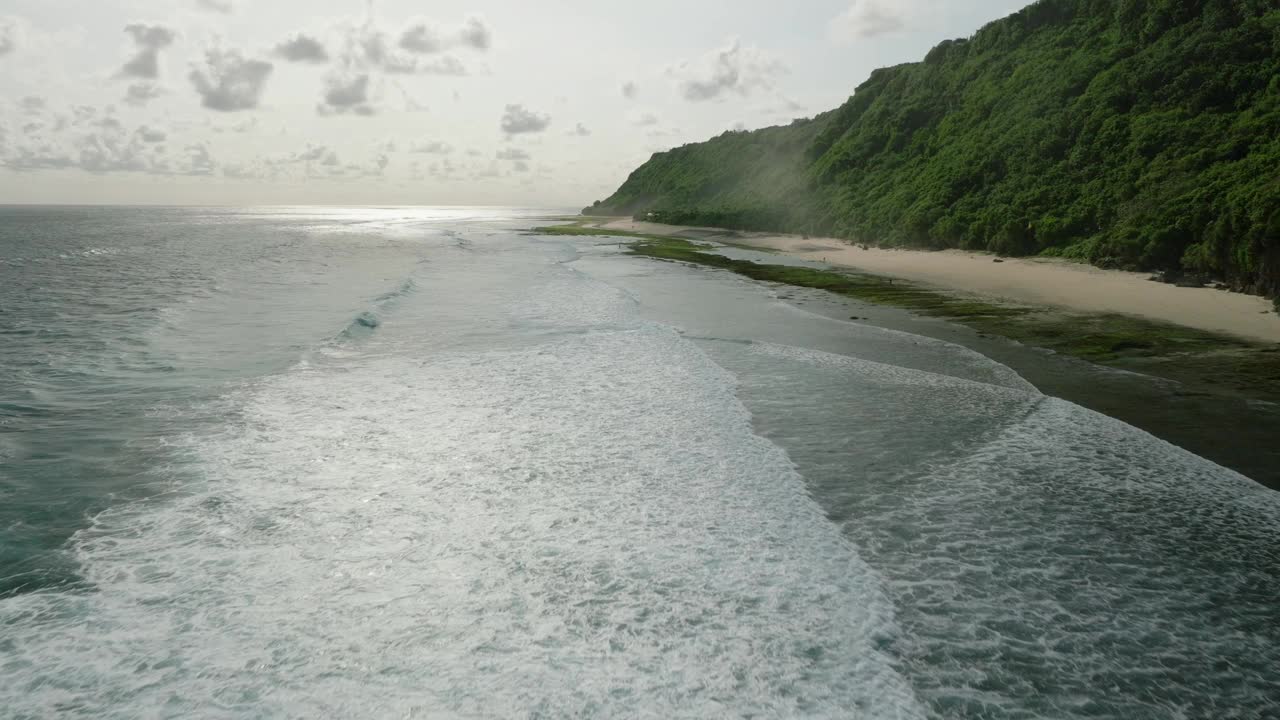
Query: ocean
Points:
[422, 462]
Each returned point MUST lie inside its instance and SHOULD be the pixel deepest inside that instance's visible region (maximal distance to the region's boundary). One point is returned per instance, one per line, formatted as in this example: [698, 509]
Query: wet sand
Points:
[1234, 432]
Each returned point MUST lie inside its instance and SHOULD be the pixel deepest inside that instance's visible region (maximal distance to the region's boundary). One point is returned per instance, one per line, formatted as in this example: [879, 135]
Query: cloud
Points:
[199, 161]
[229, 82]
[320, 155]
[735, 69]
[315, 161]
[84, 113]
[475, 34]
[630, 90]
[346, 94]
[426, 37]
[10, 30]
[518, 158]
[240, 127]
[513, 154]
[516, 120]
[871, 18]
[647, 120]
[141, 93]
[32, 104]
[114, 150]
[225, 7]
[106, 146]
[422, 38]
[434, 147]
[302, 48]
[150, 39]
[580, 130]
[369, 48]
[239, 171]
[39, 156]
[151, 135]
[444, 65]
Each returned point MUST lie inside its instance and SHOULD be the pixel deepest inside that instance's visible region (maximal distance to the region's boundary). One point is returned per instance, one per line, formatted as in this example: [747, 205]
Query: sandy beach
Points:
[1057, 283]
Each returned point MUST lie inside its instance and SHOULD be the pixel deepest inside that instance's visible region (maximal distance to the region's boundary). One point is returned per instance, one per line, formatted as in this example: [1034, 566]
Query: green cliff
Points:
[1129, 133]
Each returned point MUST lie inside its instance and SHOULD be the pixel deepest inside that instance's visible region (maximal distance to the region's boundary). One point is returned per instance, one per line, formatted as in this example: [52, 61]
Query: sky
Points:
[409, 102]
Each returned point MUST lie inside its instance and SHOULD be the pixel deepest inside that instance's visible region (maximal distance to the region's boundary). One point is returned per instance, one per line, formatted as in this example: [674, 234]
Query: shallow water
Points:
[417, 463]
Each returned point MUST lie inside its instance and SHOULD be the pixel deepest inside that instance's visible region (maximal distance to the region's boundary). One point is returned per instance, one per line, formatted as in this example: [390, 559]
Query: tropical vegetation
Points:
[1141, 134]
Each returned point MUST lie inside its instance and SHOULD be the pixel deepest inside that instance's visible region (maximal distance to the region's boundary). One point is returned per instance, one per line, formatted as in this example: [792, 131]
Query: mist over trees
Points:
[1128, 133]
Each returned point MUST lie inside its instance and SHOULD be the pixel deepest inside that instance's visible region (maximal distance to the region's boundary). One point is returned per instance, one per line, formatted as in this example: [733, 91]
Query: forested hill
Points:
[1131, 133]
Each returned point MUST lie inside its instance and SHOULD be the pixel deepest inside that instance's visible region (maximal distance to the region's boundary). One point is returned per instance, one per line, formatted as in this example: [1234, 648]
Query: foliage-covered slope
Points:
[1132, 133]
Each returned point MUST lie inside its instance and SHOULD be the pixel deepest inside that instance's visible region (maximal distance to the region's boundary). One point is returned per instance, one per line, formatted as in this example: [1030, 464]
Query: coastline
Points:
[1214, 394]
[1047, 282]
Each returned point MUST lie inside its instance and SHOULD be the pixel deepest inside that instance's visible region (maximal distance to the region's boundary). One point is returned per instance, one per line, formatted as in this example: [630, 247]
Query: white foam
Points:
[585, 527]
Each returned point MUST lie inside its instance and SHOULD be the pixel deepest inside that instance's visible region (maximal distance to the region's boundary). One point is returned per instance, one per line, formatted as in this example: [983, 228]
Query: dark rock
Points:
[997, 260]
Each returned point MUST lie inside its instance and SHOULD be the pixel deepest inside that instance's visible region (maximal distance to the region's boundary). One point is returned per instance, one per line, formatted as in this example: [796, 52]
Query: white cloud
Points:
[516, 120]
[39, 156]
[580, 130]
[317, 161]
[105, 145]
[427, 37]
[150, 39]
[219, 6]
[630, 90]
[735, 69]
[871, 18]
[320, 155]
[346, 94]
[240, 171]
[513, 154]
[229, 82]
[475, 34]
[646, 120]
[369, 48]
[422, 38]
[443, 65]
[434, 147]
[151, 135]
[302, 48]
[10, 35]
[239, 128]
[199, 161]
[141, 93]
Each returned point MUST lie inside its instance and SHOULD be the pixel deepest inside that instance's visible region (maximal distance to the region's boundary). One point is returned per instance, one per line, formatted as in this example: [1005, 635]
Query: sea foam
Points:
[579, 524]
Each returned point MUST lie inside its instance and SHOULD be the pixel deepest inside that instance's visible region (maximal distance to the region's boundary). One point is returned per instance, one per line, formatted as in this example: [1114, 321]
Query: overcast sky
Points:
[538, 102]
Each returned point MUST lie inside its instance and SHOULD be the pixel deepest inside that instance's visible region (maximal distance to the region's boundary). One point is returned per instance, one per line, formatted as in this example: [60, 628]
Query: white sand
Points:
[1058, 283]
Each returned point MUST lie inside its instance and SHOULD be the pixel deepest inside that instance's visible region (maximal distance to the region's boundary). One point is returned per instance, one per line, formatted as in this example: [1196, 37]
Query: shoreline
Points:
[1053, 283]
[1214, 395]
